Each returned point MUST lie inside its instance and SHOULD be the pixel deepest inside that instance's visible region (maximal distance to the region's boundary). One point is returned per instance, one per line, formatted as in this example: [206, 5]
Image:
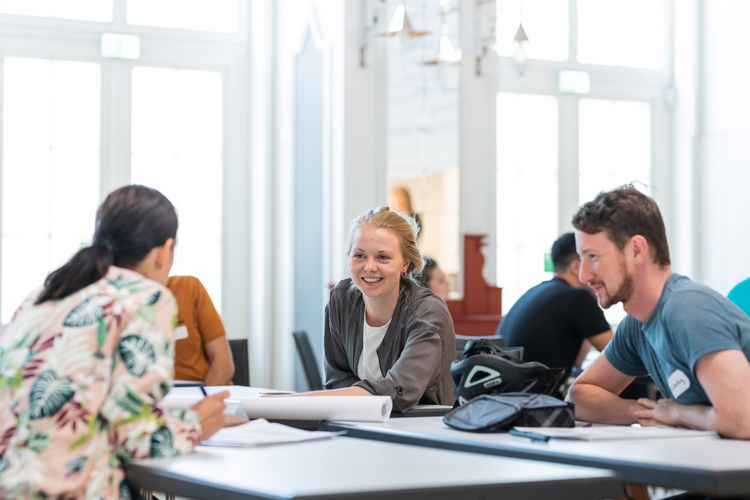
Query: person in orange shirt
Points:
[202, 351]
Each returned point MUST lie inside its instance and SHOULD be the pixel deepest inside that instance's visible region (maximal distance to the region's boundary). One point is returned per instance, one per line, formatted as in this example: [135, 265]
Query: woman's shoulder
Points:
[120, 282]
[345, 291]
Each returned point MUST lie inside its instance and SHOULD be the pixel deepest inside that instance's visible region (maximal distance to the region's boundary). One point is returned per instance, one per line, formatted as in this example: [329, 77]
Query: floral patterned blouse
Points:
[80, 382]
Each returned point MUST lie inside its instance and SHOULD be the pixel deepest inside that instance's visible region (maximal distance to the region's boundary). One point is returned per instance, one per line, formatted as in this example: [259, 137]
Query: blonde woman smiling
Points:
[385, 334]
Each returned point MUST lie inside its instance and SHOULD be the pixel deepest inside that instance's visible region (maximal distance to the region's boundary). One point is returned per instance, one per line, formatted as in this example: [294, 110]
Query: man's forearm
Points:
[706, 417]
[595, 404]
[696, 416]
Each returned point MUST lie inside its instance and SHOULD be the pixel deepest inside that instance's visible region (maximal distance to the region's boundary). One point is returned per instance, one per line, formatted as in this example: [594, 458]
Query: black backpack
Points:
[486, 368]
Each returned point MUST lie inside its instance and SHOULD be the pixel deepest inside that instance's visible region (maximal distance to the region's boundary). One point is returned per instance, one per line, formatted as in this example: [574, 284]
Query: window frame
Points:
[654, 87]
[228, 54]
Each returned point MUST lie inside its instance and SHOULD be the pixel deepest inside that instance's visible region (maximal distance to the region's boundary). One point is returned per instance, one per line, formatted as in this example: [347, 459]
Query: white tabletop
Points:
[355, 468]
[707, 464]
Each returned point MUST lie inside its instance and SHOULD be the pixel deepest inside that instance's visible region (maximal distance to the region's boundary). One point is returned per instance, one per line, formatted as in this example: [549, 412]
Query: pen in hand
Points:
[534, 436]
[203, 390]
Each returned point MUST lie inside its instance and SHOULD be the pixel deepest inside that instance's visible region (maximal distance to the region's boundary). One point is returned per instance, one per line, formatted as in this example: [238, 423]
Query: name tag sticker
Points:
[678, 383]
[180, 332]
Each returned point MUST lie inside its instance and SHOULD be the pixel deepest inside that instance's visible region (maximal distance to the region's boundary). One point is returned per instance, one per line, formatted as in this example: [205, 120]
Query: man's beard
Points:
[623, 292]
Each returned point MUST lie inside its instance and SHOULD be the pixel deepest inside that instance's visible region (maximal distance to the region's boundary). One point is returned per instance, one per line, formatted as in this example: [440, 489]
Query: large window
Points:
[527, 187]
[82, 10]
[605, 33]
[221, 16]
[50, 168]
[559, 144]
[76, 125]
[177, 148]
[614, 140]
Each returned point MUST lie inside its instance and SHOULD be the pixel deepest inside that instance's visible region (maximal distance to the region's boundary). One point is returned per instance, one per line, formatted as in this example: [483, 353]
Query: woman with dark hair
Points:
[85, 361]
[434, 278]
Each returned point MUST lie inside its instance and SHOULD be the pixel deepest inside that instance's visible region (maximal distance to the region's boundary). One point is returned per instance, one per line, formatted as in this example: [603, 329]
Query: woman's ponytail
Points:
[88, 265]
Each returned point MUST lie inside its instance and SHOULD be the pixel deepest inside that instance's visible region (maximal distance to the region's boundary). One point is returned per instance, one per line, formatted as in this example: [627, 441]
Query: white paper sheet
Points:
[614, 432]
[260, 432]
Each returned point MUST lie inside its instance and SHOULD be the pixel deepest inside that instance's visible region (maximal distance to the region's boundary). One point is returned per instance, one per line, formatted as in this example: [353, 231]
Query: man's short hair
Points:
[564, 252]
[623, 213]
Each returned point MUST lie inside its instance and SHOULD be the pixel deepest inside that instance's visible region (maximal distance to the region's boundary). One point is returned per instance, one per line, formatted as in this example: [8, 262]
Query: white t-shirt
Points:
[369, 365]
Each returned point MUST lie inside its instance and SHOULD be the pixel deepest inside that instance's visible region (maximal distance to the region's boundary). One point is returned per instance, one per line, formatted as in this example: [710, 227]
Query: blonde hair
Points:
[404, 227]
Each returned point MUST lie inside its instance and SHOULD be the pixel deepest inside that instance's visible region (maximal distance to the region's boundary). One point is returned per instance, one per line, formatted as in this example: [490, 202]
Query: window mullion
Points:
[568, 160]
[119, 14]
[573, 32]
[115, 133]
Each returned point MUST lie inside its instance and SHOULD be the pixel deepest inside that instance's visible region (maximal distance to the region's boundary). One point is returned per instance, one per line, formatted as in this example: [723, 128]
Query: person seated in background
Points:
[740, 295]
[401, 202]
[384, 334]
[558, 320]
[87, 358]
[693, 342]
[434, 278]
[202, 352]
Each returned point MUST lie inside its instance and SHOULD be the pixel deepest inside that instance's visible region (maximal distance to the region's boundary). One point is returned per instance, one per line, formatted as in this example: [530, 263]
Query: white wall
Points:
[723, 145]
[353, 162]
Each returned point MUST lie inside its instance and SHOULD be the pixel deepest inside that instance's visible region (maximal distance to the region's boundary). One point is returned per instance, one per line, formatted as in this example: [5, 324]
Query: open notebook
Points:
[614, 432]
[260, 432]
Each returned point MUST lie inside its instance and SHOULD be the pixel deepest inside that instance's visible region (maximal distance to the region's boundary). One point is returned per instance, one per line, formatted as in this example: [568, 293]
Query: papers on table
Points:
[261, 433]
[614, 432]
[258, 403]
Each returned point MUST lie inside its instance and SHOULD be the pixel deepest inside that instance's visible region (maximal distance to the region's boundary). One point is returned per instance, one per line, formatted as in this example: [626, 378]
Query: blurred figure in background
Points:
[401, 202]
[557, 320]
[434, 278]
[202, 352]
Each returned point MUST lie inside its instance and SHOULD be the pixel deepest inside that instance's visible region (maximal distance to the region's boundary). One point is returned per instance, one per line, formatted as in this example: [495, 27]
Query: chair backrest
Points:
[309, 363]
[241, 362]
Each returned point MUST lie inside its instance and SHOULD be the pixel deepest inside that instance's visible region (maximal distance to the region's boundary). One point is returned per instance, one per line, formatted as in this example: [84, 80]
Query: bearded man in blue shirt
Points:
[693, 342]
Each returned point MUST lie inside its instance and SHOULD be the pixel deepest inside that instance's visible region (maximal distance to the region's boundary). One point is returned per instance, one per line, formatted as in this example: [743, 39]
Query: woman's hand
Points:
[211, 413]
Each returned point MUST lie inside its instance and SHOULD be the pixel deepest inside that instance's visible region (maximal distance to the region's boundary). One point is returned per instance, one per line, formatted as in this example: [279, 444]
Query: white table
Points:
[702, 464]
[344, 467]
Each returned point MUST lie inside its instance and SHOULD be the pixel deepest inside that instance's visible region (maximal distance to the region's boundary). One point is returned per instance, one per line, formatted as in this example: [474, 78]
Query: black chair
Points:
[241, 362]
[309, 363]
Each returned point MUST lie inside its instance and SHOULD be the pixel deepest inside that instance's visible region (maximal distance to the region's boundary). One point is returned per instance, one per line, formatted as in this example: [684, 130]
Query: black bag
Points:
[500, 412]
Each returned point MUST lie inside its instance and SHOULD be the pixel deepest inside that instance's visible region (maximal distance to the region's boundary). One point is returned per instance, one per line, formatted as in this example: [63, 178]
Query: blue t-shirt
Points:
[689, 321]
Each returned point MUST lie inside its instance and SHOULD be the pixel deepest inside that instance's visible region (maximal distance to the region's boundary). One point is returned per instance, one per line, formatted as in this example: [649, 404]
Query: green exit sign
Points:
[548, 266]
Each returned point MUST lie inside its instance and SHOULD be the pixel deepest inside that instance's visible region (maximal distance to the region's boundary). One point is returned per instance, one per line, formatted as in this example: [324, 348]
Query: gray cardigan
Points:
[416, 352]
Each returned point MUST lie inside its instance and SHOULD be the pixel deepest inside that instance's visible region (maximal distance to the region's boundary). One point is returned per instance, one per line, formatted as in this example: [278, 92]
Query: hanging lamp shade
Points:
[400, 24]
[520, 36]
